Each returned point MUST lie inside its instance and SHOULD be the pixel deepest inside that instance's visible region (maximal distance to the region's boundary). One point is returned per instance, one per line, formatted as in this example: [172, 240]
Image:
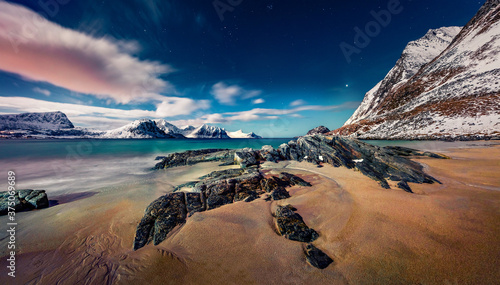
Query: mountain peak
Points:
[452, 94]
[36, 121]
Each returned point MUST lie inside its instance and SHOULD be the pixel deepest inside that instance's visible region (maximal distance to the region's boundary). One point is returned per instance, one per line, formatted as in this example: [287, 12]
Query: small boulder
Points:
[291, 226]
[316, 257]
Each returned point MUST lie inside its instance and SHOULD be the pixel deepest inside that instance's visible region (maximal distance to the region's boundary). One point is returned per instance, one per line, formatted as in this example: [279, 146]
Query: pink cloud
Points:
[40, 50]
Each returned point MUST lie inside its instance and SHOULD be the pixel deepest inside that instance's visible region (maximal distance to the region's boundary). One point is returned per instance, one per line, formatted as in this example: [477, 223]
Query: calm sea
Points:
[66, 166]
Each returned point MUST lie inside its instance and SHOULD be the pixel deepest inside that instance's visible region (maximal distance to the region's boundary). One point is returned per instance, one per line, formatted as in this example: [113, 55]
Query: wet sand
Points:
[442, 234]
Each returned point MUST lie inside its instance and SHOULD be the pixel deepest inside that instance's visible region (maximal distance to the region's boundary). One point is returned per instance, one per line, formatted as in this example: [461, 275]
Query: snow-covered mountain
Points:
[35, 121]
[239, 134]
[139, 129]
[438, 89]
[56, 124]
[415, 55]
[169, 128]
[207, 132]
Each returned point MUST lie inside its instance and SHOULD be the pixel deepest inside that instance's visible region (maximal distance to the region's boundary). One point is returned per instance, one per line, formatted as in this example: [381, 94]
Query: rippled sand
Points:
[443, 234]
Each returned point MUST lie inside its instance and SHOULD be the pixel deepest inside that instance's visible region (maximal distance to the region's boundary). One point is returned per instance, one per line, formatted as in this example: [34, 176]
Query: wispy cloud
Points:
[228, 94]
[104, 67]
[298, 103]
[258, 101]
[96, 117]
[42, 91]
[257, 114]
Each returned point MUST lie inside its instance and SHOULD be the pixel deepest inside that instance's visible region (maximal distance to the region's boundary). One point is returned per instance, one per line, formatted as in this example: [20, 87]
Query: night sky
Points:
[272, 67]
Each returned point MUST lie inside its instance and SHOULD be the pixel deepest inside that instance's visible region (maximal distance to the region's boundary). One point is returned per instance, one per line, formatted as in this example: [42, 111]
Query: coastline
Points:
[442, 233]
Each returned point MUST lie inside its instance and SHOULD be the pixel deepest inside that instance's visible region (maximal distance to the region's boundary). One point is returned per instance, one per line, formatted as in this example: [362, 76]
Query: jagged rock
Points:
[268, 153]
[246, 157]
[404, 151]
[160, 217]
[188, 185]
[194, 203]
[403, 185]
[217, 189]
[191, 157]
[248, 187]
[291, 226]
[219, 194]
[279, 193]
[24, 200]
[223, 174]
[318, 130]
[293, 179]
[378, 163]
[271, 183]
[316, 257]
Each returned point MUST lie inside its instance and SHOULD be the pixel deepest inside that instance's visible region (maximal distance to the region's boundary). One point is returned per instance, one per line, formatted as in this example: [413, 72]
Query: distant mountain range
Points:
[445, 85]
[57, 125]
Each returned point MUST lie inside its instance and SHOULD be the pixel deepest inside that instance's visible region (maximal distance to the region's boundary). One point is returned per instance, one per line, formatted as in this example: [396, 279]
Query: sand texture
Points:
[442, 234]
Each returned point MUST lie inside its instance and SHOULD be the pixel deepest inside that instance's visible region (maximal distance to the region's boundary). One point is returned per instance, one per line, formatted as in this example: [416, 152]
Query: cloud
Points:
[96, 117]
[40, 50]
[228, 94]
[258, 101]
[174, 106]
[298, 103]
[42, 91]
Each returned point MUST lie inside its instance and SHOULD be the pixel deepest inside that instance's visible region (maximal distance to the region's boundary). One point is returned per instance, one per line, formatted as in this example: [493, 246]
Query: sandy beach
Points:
[445, 233]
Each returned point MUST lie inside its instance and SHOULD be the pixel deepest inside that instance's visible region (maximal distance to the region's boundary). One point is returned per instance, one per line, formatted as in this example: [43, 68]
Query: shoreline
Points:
[443, 233]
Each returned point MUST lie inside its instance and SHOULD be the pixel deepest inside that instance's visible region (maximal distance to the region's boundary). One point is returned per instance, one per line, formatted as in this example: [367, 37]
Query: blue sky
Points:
[272, 67]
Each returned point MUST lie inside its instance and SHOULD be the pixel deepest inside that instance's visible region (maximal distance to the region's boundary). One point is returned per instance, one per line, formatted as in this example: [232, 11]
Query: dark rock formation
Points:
[191, 157]
[160, 217]
[318, 131]
[216, 189]
[220, 188]
[375, 162]
[268, 153]
[404, 151]
[291, 226]
[279, 193]
[24, 200]
[246, 157]
[293, 180]
[316, 257]
[378, 163]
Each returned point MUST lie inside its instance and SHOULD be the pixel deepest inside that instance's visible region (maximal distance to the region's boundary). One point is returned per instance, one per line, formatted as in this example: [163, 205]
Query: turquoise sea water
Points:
[67, 166]
[39, 149]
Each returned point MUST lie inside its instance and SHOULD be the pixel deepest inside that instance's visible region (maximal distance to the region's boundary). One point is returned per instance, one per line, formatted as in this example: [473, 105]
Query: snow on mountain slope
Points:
[455, 95]
[139, 129]
[241, 135]
[35, 121]
[207, 132]
[167, 127]
[415, 55]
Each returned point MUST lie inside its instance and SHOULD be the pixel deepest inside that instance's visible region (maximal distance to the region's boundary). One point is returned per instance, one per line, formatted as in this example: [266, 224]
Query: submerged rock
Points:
[316, 257]
[291, 226]
[24, 200]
